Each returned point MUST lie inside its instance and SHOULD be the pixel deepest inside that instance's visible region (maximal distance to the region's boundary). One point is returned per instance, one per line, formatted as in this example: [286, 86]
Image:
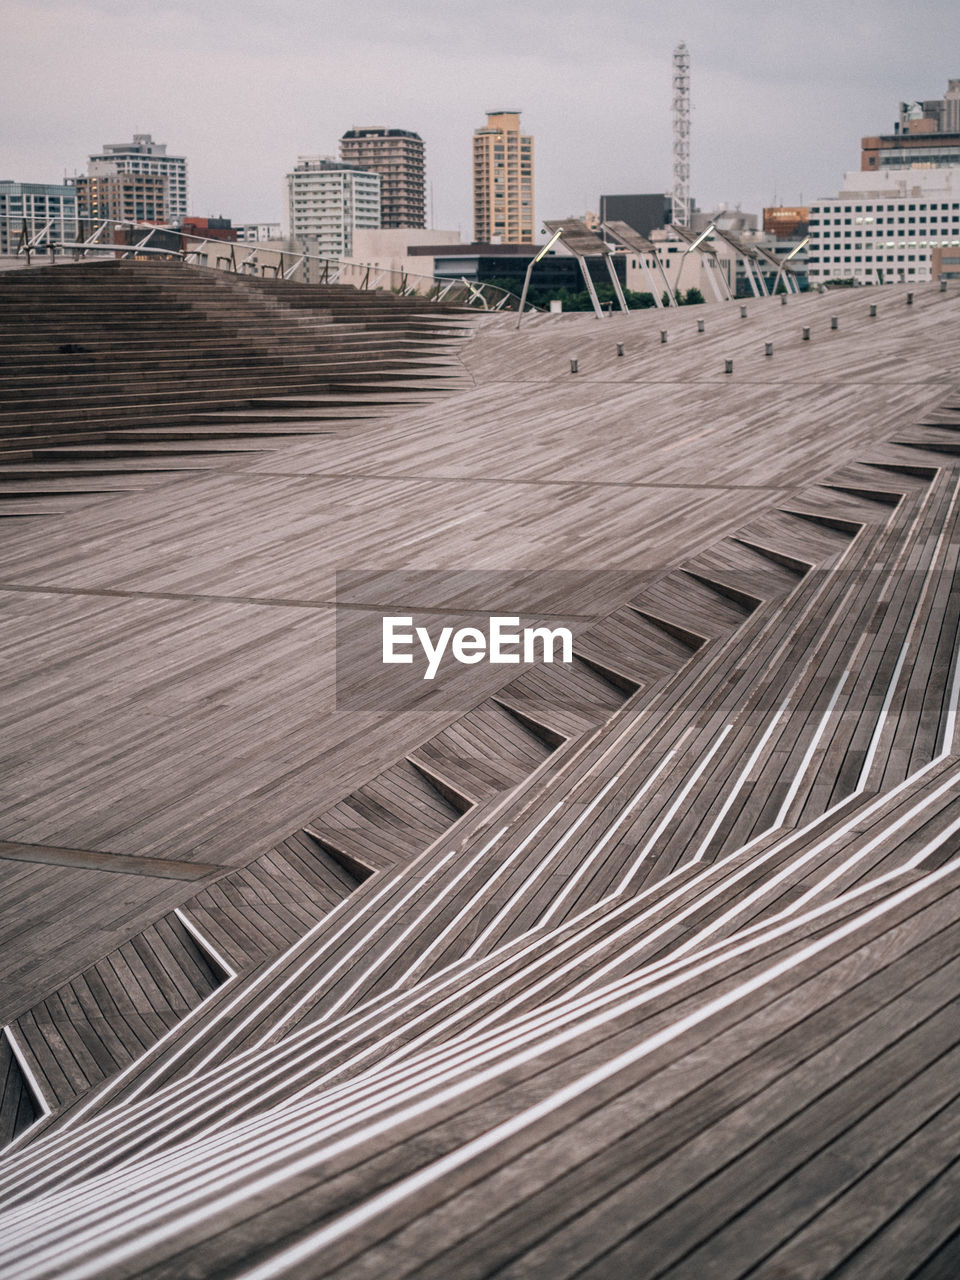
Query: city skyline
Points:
[779, 106]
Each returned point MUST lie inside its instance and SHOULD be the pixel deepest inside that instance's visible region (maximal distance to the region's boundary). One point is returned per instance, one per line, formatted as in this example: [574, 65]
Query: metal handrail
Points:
[69, 236]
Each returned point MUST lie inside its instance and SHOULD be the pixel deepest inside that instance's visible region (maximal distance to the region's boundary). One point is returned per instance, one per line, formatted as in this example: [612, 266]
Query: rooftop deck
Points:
[641, 965]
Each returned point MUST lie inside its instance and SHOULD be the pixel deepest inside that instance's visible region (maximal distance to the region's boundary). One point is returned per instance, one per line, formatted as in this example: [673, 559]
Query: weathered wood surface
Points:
[640, 965]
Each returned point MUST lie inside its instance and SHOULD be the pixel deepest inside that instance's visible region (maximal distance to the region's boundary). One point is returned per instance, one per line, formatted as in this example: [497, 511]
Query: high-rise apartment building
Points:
[144, 157]
[122, 197]
[36, 207]
[503, 181]
[397, 155]
[327, 200]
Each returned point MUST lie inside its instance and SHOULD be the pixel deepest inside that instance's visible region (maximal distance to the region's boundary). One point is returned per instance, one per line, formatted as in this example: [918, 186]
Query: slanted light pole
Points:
[701, 237]
[533, 262]
[696, 245]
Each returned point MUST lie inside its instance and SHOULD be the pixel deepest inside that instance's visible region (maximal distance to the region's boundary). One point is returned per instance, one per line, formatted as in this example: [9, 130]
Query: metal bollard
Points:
[873, 309]
[574, 366]
[701, 326]
[728, 366]
[834, 322]
[768, 349]
[619, 348]
[783, 299]
[806, 333]
[663, 335]
[909, 299]
[743, 313]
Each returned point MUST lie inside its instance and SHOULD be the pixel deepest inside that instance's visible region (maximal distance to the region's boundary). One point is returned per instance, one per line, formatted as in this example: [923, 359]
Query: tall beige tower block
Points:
[503, 180]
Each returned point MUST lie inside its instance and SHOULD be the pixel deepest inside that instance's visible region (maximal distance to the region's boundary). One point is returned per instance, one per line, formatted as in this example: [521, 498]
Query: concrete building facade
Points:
[916, 150]
[145, 157]
[883, 227]
[943, 113]
[945, 263]
[399, 251]
[261, 232]
[33, 206]
[925, 136]
[397, 155]
[327, 200]
[503, 210]
[122, 197]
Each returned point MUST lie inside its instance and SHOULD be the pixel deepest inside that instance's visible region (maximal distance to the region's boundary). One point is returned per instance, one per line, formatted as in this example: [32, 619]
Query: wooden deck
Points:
[639, 966]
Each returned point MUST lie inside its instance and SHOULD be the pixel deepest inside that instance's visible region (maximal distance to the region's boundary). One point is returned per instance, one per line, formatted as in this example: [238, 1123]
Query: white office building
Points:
[327, 200]
[883, 226]
[144, 156]
[37, 210]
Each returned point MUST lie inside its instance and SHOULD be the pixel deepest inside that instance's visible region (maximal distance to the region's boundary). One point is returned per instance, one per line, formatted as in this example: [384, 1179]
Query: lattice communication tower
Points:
[681, 136]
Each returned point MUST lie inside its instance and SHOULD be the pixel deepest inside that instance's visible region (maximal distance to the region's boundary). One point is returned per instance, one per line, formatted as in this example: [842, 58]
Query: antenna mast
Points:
[681, 136]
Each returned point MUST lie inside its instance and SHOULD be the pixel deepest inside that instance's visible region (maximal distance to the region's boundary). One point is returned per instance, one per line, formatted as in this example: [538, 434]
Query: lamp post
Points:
[533, 262]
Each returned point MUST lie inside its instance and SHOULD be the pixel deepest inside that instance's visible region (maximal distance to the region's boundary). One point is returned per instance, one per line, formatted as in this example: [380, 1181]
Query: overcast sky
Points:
[781, 92]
